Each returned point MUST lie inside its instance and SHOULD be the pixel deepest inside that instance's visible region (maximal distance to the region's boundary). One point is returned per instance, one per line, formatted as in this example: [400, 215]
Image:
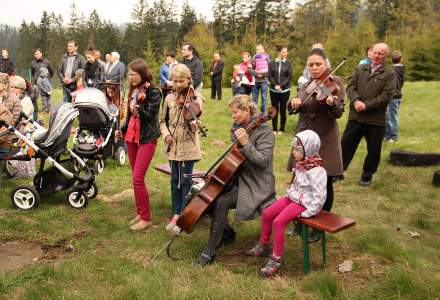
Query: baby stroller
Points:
[95, 137]
[48, 145]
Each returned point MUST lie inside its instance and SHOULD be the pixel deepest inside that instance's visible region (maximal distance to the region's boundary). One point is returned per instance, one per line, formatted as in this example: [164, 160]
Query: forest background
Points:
[345, 27]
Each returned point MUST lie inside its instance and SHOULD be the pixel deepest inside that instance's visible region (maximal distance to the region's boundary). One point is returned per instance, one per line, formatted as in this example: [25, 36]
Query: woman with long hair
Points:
[140, 132]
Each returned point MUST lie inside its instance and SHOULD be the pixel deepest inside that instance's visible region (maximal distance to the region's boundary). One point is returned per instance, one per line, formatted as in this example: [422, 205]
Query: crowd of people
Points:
[319, 155]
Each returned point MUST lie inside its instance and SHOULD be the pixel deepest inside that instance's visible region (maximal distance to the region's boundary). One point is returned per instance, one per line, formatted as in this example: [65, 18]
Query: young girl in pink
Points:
[304, 198]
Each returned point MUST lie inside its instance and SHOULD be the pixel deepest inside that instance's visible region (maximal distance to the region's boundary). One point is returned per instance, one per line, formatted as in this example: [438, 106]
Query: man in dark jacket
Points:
[216, 77]
[370, 89]
[392, 125]
[69, 64]
[192, 60]
[39, 62]
[6, 64]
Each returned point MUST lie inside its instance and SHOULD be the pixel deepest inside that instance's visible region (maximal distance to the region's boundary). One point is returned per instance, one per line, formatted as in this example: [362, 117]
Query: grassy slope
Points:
[112, 262]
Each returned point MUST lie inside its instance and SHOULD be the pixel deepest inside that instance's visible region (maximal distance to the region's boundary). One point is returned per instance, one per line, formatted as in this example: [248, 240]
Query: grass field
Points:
[111, 262]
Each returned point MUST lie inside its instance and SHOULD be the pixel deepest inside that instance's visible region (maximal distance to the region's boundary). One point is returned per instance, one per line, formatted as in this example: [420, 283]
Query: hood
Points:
[310, 141]
[44, 72]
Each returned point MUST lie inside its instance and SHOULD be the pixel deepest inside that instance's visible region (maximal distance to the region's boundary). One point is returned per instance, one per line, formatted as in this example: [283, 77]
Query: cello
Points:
[217, 177]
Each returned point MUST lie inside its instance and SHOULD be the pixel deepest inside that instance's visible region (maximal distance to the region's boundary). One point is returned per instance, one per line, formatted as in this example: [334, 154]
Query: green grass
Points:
[110, 262]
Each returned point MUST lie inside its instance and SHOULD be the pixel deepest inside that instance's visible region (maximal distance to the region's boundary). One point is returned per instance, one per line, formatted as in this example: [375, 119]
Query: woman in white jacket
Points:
[304, 198]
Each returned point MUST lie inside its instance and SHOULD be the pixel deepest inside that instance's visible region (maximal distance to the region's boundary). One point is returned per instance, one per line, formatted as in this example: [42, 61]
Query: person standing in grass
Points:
[392, 125]
[321, 118]
[252, 187]
[370, 89]
[305, 197]
[279, 76]
[140, 132]
[181, 139]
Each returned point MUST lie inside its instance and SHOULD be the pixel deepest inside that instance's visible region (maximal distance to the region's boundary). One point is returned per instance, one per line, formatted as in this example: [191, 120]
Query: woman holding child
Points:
[140, 132]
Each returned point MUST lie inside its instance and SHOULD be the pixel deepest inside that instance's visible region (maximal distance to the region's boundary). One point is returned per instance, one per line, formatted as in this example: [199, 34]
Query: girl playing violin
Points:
[321, 118]
[181, 138]
[253, 185]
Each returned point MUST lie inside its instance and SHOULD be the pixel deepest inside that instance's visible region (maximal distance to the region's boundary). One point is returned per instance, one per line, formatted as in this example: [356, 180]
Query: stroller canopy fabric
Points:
[60, 118]
[92, 97]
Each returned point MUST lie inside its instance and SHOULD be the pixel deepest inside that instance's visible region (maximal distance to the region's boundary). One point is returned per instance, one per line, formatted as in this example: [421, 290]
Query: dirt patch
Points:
[118, 197]
[14, 255]
[62, 247]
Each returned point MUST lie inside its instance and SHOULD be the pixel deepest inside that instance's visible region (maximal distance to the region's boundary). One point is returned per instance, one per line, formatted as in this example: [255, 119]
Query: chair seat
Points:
[328, 222]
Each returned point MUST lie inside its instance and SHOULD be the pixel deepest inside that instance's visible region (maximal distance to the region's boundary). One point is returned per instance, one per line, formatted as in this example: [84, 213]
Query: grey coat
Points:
[256, 182]
[118, 71]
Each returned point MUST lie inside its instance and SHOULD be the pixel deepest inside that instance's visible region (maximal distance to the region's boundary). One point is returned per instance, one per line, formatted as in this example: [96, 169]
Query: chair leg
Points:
[305, 238]
[324, 251]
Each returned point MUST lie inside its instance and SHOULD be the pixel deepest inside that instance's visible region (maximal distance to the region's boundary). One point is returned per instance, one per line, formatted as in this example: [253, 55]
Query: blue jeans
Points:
[392, 124]
[180, 185]
[263, 86]
[66, 95]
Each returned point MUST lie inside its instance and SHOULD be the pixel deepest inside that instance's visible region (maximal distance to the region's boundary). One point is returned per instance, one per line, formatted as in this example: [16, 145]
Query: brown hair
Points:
[242, 102]
[396, 57]
[141, 67]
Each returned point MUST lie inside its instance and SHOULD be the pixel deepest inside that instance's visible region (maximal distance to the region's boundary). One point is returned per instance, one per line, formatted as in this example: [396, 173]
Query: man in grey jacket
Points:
[38, 63]
[69, 64]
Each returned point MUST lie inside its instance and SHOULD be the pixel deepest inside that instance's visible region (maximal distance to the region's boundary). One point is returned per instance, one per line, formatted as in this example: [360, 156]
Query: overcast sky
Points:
[12, 12]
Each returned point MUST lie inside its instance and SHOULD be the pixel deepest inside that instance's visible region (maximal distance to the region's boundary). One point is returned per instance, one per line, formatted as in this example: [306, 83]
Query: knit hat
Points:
[18, 82]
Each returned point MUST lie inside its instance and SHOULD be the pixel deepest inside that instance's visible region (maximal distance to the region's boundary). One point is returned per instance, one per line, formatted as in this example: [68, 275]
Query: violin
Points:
[217, 178]
[191, 109]
[320, 88]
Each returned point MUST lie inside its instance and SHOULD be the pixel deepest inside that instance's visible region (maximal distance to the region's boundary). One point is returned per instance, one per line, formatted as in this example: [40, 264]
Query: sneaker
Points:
[204, 260]
[271, 268]
[259, 250]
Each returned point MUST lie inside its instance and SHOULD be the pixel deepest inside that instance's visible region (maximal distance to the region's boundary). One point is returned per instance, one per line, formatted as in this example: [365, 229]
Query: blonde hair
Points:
[181, 70]
[242, 102]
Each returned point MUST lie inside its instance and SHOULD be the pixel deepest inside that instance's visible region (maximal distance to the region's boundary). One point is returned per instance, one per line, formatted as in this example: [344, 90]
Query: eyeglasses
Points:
[132, 74]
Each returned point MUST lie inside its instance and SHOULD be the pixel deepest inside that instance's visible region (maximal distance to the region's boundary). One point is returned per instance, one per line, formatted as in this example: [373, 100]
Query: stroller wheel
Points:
[92, 192]
[99, 166]
[78, 198]
[25, 197]
[120, 156]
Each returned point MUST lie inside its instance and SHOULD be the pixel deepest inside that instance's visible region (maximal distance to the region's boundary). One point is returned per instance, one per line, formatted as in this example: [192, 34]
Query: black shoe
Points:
[364, 182]
[204, 260]
[314, 236]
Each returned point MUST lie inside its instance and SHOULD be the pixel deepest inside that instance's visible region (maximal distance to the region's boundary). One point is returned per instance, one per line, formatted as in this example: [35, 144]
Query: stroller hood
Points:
[59, 120]
[92, 97]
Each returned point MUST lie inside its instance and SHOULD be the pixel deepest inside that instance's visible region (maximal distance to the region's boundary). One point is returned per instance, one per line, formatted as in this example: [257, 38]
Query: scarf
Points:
[309, 163]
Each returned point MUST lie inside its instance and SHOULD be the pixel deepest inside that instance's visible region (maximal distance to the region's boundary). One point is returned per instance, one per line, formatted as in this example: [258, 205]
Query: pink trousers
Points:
[140, 157]
[278, 215]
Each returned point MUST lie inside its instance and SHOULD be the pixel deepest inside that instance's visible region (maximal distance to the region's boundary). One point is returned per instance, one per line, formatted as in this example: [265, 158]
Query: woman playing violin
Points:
[320, 116]
[253, 185]
[181, 136]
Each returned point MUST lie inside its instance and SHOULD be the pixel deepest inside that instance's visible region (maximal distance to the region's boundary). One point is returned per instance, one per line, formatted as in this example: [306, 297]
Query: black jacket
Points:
[79, 63]
[35, 68]
[148, 114]
[278, 76]
[7, 66]
[400, 79]
[196, 67]
[217, 72]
